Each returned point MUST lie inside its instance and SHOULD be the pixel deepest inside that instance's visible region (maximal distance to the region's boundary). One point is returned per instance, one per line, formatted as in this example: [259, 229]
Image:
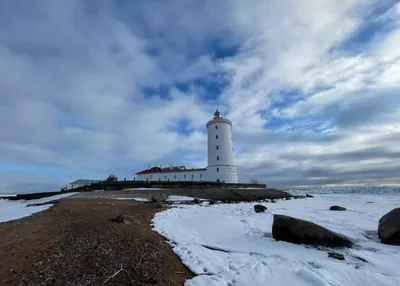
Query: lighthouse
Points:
[221, 160]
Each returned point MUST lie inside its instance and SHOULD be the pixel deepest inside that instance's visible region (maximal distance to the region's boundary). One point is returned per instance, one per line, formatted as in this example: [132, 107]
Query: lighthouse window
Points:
[217, 147]
[217, 169]
[217, 158]
[216, 136]
[216, 126]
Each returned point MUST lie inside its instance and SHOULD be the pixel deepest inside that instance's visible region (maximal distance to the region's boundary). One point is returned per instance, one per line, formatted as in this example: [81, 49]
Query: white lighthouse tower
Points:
[221, 161]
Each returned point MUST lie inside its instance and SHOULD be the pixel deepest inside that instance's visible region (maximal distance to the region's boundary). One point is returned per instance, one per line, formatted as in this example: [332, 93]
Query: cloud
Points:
[99, 87]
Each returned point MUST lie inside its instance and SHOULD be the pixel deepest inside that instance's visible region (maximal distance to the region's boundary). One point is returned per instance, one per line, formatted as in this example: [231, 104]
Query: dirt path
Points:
[76, 243]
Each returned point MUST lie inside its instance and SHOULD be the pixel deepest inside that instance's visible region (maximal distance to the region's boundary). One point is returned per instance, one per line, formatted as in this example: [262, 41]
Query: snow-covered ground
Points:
[230, 244]
[11, 210]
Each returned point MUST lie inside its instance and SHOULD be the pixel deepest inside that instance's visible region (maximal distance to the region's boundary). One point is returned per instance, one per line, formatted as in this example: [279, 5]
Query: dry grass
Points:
[76, 243]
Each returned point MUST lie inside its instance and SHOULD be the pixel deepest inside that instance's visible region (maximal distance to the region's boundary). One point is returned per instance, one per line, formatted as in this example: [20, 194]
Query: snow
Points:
[136, 199]
[174, 198]
[243, 251]
[11, 210]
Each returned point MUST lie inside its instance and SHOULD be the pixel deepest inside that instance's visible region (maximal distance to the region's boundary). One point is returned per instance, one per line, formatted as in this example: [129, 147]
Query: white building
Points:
[221, 160]
[81, 183]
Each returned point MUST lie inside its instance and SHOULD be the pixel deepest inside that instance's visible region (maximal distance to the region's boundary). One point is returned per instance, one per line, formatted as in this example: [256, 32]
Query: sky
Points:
[92, 88]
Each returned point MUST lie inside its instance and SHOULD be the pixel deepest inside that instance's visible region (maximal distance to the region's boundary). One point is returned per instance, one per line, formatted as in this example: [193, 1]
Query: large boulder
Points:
[389, 227]
[300, 231]
[337, 208]
[260, 208]
[158, 198]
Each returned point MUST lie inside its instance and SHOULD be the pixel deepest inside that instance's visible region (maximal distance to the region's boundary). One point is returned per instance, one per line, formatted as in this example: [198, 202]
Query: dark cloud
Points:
[370, 108]
[350, 156]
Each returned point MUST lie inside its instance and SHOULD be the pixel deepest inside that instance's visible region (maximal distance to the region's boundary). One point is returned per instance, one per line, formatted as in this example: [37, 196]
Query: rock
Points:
[300, 197]
[309, 196]
[288, 198]
[42, 204]
[273, 201]
[336, 255]
[160, 206]
[389, 227]
[213, 202]
[337, 208]
[159, 198]
[125, 219]
[196, 201]
[260, 208]
[300, 231]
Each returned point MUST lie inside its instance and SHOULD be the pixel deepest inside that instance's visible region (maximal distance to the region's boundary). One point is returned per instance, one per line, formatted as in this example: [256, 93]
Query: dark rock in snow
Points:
[389, 227]
[288, 198]
[300, 197]
[337, 208]
[213, 202]
[196, 201]
[309, 196]
[336, 255]
[159, 198]
[273, 201]
[300, 231]
[260, 208]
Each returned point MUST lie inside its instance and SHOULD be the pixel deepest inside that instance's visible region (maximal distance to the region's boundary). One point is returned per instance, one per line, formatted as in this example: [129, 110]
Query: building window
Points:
[217, 169]
[192, 176]
[150, 177]
[184, 176]
[217, 158]
[216, 136]
[201, 175]
[217, 147]
[165, 177]
[174, 176]
[216, 126]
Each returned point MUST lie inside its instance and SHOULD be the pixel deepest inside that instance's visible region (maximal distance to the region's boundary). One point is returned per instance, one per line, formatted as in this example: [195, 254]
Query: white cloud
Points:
[73, 76]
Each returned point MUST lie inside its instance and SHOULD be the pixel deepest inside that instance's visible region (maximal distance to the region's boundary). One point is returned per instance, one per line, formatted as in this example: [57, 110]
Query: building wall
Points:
[223, 173]
[221, 160]
[174, 176]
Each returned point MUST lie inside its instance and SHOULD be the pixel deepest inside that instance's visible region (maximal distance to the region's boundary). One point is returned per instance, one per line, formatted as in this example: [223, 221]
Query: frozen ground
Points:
[231, 245]
[10, 210]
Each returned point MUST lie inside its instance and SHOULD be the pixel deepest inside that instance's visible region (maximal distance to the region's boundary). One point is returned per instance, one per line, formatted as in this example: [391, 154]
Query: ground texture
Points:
[76, 243]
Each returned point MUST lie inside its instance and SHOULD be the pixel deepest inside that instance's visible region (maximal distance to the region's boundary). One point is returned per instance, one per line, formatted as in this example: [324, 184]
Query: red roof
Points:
[172, 169]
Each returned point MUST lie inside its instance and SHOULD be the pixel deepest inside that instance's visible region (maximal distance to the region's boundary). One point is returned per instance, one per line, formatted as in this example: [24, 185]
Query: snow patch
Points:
[230, 244]
[11, 210]
[136, 199]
